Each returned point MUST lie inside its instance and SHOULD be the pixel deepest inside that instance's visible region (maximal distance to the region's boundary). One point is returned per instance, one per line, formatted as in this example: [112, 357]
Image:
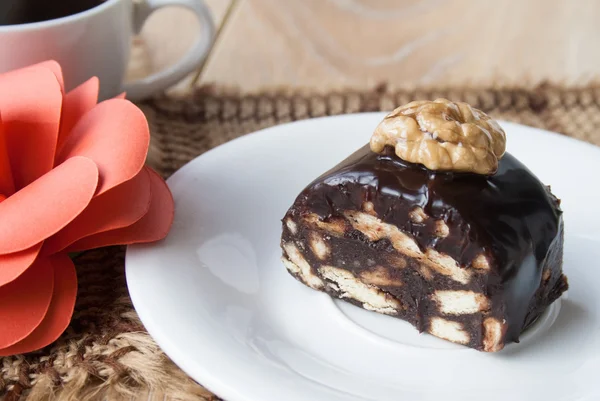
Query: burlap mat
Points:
[106, 353]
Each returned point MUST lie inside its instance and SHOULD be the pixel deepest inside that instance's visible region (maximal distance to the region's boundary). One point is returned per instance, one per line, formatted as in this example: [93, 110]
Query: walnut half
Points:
[442, 135]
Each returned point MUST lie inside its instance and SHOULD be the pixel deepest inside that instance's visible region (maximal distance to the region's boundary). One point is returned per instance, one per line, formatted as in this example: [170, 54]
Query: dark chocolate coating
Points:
[510, 216]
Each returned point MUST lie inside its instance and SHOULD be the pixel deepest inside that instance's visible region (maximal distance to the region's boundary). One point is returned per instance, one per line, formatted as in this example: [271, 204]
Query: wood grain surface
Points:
[327, 44]
[333, 43]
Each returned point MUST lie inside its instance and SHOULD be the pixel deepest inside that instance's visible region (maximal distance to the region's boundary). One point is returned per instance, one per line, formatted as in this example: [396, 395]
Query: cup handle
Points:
[161, 80]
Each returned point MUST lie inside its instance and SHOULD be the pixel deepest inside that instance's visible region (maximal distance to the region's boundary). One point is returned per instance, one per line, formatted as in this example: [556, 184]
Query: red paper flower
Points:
[72, 177]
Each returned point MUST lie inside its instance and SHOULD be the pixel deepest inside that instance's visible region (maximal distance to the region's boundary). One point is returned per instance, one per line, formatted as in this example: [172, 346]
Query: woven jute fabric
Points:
[106, 354]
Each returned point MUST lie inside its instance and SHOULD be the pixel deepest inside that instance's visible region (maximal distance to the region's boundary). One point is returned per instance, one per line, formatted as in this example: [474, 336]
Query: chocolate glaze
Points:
[511, 217]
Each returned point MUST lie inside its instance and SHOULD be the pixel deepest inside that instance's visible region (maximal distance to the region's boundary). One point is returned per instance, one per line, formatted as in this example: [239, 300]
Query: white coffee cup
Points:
[97, 42]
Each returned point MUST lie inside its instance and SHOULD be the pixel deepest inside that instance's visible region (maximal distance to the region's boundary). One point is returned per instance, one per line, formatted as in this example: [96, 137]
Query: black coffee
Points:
[13, 12]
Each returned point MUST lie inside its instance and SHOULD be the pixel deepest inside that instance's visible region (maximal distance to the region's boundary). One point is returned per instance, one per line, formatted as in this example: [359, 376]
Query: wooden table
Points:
[326, 44]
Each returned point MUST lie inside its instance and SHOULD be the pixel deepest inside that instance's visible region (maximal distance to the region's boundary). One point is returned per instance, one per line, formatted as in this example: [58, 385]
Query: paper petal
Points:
[14, 264]
[75, 104]
[153, 226]
[117, 208]
[56, 70]
[47, 205]
[116, 136]
[7, 187]
[59, 312]
[25, 301]
[30, 101]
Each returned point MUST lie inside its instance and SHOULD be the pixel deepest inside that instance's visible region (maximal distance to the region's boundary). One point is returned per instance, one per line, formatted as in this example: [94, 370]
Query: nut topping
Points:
[442, 135]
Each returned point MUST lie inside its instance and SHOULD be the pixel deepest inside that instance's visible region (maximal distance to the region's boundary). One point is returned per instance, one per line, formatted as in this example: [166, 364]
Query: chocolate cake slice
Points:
[433, 223]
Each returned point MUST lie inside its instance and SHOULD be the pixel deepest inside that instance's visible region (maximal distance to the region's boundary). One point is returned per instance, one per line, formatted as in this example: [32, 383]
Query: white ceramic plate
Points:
[217, 299]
